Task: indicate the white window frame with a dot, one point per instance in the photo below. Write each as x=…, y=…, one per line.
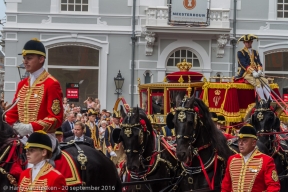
x=283, y=11
x=74, y=2
x=181, y=59
x=93, y=8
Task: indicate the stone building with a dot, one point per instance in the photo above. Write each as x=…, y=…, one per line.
x=90, y=40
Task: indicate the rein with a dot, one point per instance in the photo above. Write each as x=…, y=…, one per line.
x=14, y=143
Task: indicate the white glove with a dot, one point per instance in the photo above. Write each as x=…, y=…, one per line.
x=23, y=129
x=260, y=73
x=255, y=74
x=113, y=154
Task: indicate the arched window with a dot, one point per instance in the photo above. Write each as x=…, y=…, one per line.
x=147, y=77
x=180, y=54
x=75, y=64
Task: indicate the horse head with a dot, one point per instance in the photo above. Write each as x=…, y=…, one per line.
x=195, y=129
x=136, y=137
x=265, y=120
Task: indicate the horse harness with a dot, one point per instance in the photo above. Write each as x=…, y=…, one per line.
x=81, y=158
x=11, y=146
x=275, y=145
x=153, y=159
x=187, y=170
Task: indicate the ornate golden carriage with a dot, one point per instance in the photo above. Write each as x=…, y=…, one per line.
x=223, y=95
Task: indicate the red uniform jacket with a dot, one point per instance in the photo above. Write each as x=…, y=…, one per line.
x=47, y=180
x=40, y=104
x=257, y=175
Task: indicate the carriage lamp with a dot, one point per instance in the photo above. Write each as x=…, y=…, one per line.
x=22, y=71
x=119, y=81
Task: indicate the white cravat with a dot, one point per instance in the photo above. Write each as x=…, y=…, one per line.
x=246, y=157
x=36, y=168
x=250, y=50
x=35, y=75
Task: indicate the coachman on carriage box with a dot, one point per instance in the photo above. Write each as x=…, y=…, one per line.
x=38, y=98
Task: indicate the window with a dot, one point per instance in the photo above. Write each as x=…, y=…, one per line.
x=75, y=64
x=74, y=5
x=276, y=61
x=179, y=55
x=147, y=77
x=282, y=8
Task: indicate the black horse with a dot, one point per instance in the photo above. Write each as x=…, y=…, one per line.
x=145, y=155
x=100, y=172
x=201, y=147
x=266, y=122
x=12, y=161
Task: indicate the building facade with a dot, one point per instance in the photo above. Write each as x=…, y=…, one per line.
x=89, y=41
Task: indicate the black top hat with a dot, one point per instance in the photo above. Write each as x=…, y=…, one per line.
x=116, y=114
x=214, y=116
x=34, y=46
x=59, y=131
x=248, y=37
x=92, y=112
x=39, y=139
x=247, y=131
x=221, y=119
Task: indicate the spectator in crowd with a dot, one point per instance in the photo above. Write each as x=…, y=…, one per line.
x=82, y=120
x=66, y=106
x=97, y=104
x=68, y=126
x=59, y=134
x=78, y=117
x=108, y=120
x=72, y=105
x=102, y=130
x=79, y=134
x=89, y=103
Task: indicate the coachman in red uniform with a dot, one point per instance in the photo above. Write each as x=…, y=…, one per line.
x=39, y=96
x=251, y=170
x=42, y=176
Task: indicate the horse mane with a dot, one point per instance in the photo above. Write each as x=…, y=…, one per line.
x=5, y=130
x=142, y=115
x=217, y=138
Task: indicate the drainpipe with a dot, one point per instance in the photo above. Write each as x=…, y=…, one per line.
x=134, y=39
x=234, y=41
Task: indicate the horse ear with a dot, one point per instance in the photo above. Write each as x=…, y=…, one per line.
x=276, y=125
x=256, y=101
x=253, y=120
x=116, y=135
x=122, y=112
x=169, y=121
x=137, y=116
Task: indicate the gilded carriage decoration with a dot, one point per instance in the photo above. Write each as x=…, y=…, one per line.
x=223, y=95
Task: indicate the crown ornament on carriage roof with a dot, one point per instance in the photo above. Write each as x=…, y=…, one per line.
x=184, y=66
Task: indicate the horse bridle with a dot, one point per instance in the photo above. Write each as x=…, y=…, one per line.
x=181, y=116
x=127, y=128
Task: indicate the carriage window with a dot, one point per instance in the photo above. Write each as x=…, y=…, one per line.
x=181, y=54
x=158, y=104
x=144, y=100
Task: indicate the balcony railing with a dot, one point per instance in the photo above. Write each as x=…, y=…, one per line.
x=158, y=16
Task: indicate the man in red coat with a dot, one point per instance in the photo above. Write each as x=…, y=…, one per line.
x=39, y=96
x=42, y=177
x=251, y=170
